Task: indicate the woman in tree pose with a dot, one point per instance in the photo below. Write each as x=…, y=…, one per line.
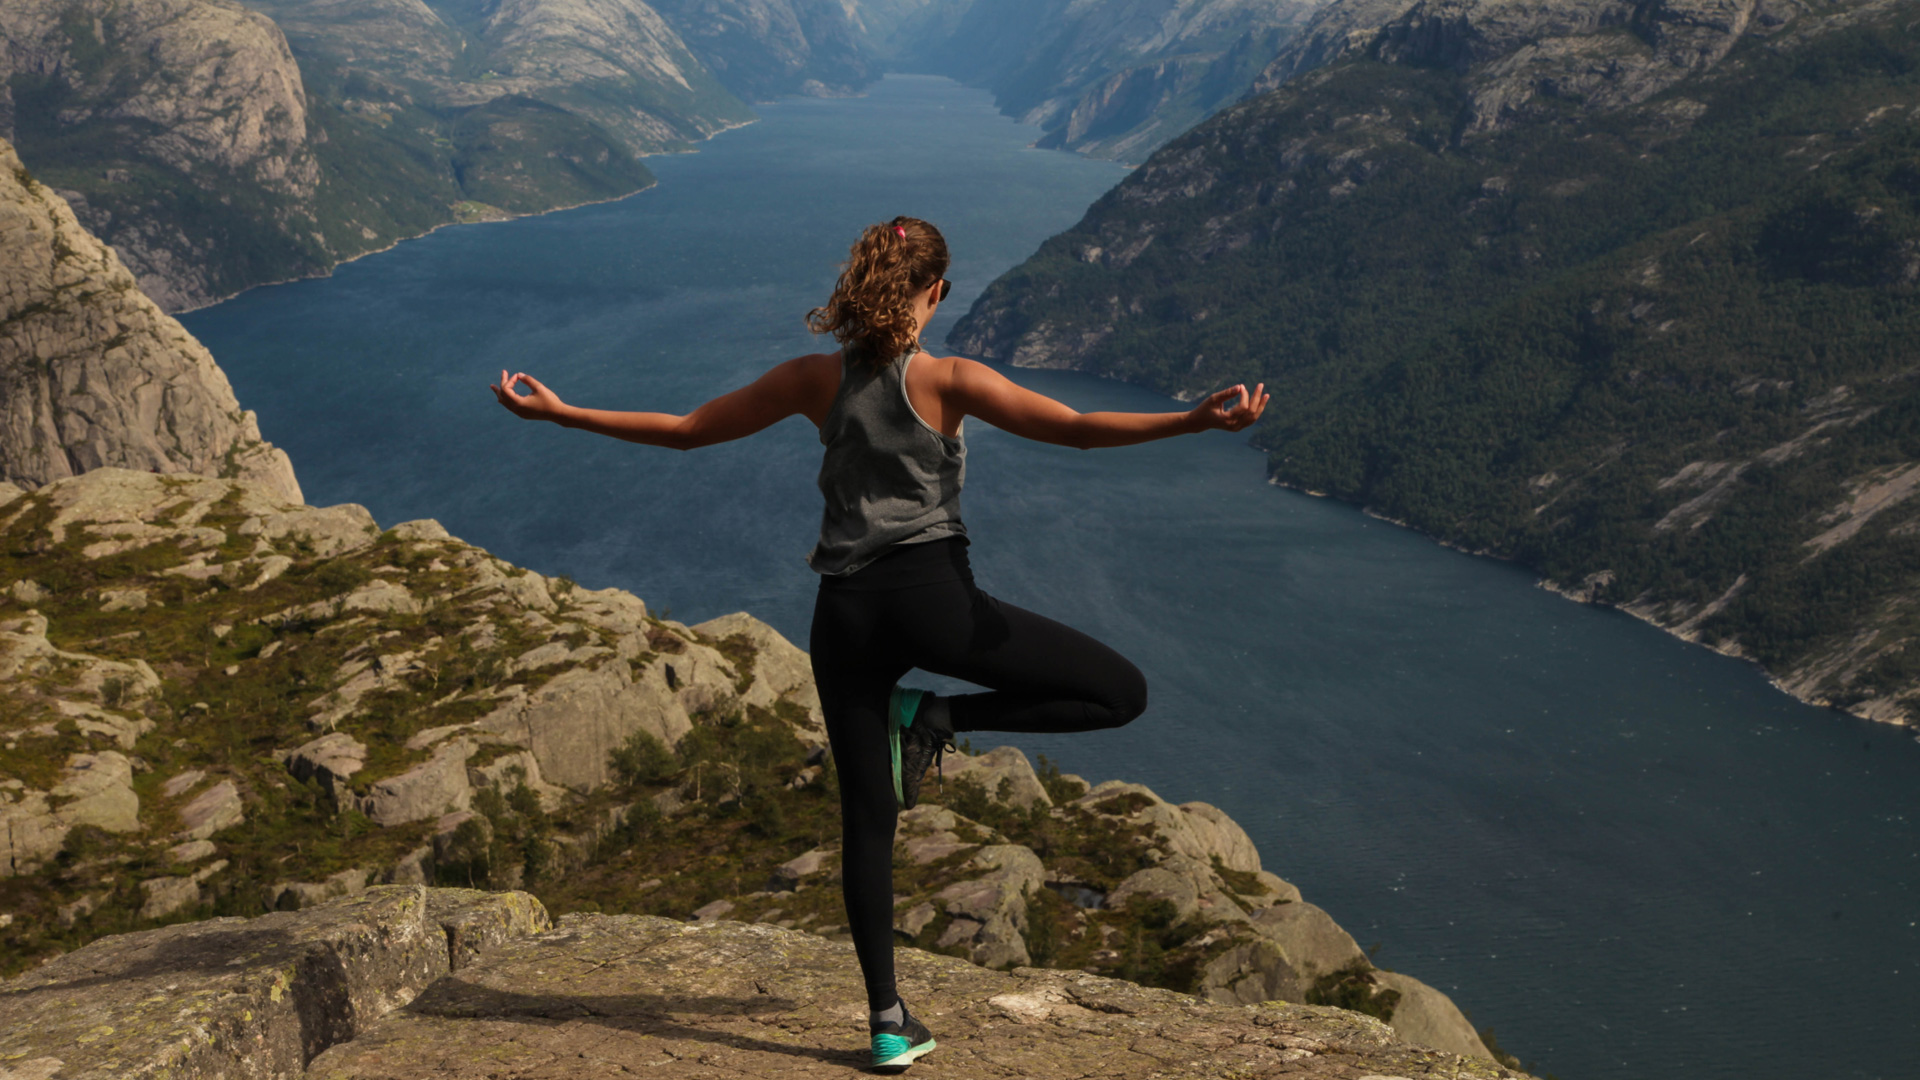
x=896, y=592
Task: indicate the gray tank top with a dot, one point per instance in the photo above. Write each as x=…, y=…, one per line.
x=889, y=477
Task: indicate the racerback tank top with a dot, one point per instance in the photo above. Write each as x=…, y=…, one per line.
x=888, y=476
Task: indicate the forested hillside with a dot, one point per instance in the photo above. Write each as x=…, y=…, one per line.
x=1629, y=293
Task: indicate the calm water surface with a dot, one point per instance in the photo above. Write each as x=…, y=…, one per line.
x=1628, y=856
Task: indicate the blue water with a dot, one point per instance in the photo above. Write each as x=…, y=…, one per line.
x=1629, y=856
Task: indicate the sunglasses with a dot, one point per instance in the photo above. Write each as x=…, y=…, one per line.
x=945, y=288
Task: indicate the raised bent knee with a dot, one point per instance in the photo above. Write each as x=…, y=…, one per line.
x=1127, y=697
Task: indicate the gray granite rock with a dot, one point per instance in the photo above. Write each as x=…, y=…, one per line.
x=328, y=761
x=655, y=997
x=92, y=373
x=217, y=808
x=434, y=787
x=246, y=998
x=1426, y=1016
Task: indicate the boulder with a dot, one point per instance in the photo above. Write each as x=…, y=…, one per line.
x=996, y=902
x=1219, y=836
x=297, y=895
x=477, y=922
x=789, y=875
x=1313, y=943
x=1001, y=764
x=328, y=761
x=219, y=807
x=420, y=529
x=780, y=668
x=509, y=771
x=97, y=790
x=434, y=787
x=1157, y=883
x=191, y=851
x=927, y=832
x=576, y=719
x=181, y=783
x=168, y=895
x=1426, y=1016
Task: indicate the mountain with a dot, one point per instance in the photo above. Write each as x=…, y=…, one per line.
x=1626, y=292
x=215, y=151
x=764, y=49
x=93, y=374
x=1108, y=78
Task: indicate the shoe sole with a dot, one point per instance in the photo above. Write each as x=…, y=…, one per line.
x=899, y=1062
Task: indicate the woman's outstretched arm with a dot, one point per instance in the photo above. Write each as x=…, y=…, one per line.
x=805, y=385
x=980, y=391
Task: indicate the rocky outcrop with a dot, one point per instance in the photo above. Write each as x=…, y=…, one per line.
x=416, y=711
x=201, y=89
x=93, y=374
x=405, y=982
x=502, y=678
x=1595, y=53
x=247, y=997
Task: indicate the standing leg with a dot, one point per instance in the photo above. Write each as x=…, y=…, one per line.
x=854, y=674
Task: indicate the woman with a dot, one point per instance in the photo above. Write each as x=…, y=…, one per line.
x=895, y=589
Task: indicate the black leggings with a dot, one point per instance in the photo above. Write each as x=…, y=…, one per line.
x=918, y=607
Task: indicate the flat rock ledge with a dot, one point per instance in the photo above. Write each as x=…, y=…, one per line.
x=409, y=982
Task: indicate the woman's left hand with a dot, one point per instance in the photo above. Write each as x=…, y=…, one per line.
x=1233, y=408
x=540, y=404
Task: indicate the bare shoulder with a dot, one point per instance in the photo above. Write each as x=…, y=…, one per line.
x=813, y=381
x=816, y=368
x=951, y=371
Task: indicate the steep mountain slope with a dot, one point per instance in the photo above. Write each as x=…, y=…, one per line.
x=93, y=374
x=214, y=156
x=762, y=49
x=176, y=128
x=1109, y=78
x=1628, y=292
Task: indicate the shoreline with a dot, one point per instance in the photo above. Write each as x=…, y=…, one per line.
x=396, y=242
x=1575, y=594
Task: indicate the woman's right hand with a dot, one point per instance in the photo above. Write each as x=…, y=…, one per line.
x=539, y=404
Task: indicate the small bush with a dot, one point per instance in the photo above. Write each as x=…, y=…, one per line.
x=642, y=759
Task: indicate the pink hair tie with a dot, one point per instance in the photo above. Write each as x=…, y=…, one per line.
x=901, y=230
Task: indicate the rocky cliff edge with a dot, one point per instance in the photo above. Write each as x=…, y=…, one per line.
x=409, y=982
x=92, y=373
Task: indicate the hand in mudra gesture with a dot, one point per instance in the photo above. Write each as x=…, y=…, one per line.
x=1233, y=408
x=540, y=404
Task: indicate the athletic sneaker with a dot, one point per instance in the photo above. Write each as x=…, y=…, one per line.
x=896, y=1046
x=915, y=748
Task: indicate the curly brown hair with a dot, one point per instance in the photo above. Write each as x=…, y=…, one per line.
x=871, y=304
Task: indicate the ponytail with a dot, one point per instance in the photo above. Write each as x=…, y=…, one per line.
x=871, y=306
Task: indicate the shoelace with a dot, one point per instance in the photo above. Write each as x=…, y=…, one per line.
x=939, y=752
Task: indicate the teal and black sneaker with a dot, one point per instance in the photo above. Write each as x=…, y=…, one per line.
x=896, y=1046
x=915, y=749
